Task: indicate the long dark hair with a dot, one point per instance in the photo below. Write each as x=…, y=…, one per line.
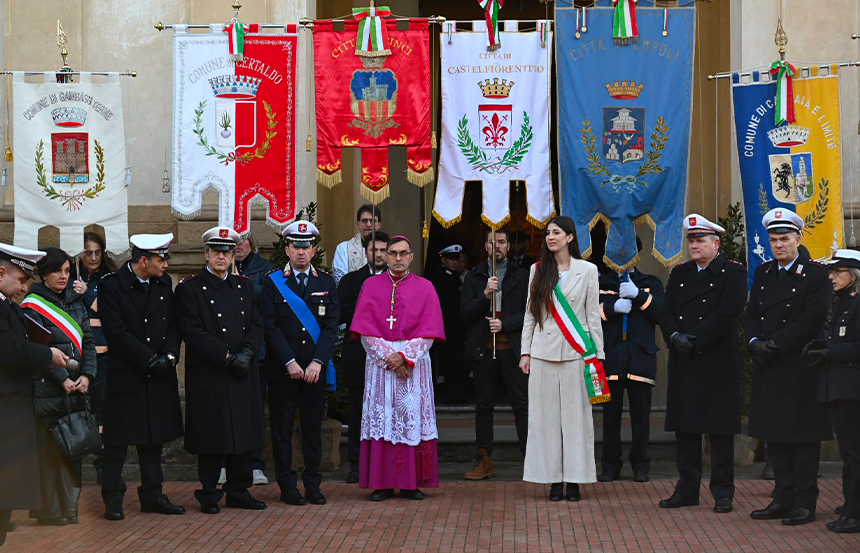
x=107, y=262
x=546, y=271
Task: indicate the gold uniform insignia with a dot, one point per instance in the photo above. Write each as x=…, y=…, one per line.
x=322, y=310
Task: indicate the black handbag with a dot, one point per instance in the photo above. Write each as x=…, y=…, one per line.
x=76, y=434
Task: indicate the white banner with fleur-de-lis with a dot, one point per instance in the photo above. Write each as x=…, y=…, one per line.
x=495, y=121
x=70, y=160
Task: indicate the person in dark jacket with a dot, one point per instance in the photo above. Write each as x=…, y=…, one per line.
x=495, y=369
x=142, y=391
x=353, y=356
x=630, y=305
x=447, y=356
x=838, y=358
x=222, y=330
x=21, y=363
x=91, y=267
x=788, y=306
x=703, y=302
x=251, y=264
x=60, y=391
x=295, y=301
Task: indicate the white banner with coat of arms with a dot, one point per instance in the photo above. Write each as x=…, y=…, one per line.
x=495, y=123
x=70, y=160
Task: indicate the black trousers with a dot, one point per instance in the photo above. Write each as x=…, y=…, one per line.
x=151, y=475
x=356, y=402
x=239, y=476
x=257, y=455
x=97, y=400
x=5, y=516
x=795, y=471
x=639, y=398
x=689, y=463
x=492, y=376
x=844, y=416
x=284, y=398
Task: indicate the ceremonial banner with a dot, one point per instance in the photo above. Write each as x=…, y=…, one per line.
x=624, y=128
x=795, y=166
x=70, y=160
x=373, y=100
x=234, y=125
x=495, y=122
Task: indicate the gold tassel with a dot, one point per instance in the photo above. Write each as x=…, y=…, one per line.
x=419, y=179
x=425, y=232
x=375, y=196
x=329, y=180
x=8, y=153
x=309, y=143
x=433, y=143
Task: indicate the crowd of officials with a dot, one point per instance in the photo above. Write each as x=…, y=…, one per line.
x=527, y=329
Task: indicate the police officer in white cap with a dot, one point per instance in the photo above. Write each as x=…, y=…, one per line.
x=223, y=331
x=703, y=302
x=21, y=362
x=301, y=313
x=788, y=304
x=142, y=406
x=448, y=355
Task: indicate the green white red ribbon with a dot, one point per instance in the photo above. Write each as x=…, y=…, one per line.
x=372, y=39
x=236, y=38
x=491, y=12
x=784, y=73
x=624, y=28
x=582, y=343
x=60, y=318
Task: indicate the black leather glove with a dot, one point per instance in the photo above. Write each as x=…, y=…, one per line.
x=240, y=363
x=817, y=358
x=159, y=367
x=818, y=343
x=763, y=351
x=683, y=343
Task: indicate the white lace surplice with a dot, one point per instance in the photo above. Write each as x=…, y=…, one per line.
x=396, y=410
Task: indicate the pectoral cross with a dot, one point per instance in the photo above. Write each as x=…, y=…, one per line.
x=391, y=321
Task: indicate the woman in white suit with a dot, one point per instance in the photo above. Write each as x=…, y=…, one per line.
x=560, y=447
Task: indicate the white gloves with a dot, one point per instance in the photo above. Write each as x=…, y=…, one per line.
x=623, y=305
x=628, y=290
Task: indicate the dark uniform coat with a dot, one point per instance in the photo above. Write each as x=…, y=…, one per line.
x=840, y=379
x=791, y=311
x=138, y=325
x=353, y=356
x=20, y=361
x=286, y=338
x=223, y=415
x=448, y=355
x=704, y=392
x=635, y=358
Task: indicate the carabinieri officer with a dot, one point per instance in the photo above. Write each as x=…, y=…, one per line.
x=301, y=314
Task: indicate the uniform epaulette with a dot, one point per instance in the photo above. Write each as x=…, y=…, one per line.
x=735, y=262
x=241, y=276
x=685, y=263
x=324, y=272
x=813, y=262
x=274, y=271
x=110, y=274
x=189, y=277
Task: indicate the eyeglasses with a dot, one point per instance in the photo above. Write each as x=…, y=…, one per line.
x=92, y=253
x=396, y=255
x=836, y=272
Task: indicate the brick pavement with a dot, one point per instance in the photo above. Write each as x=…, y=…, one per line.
x=470, y=517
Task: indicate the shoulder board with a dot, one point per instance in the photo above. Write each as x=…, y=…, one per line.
x=685, y=263
x=768, y=262
x=111, y=274
x=733, y=262
x=814, y=263
x=273, y=271
x=188, y=278
x=326, y=272
x=241, y=276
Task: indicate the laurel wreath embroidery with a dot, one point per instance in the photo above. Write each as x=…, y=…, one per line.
x=510, y=160
x=650, y=167
x=72, y=200
x=762, y=199
x=820, y=211
x=226, y=158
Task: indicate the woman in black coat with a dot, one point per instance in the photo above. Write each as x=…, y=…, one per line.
x=838, y=356
x=59, y=389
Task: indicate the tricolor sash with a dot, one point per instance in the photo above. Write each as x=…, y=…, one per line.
x=60, y=318
x=303, y=313
x=581, y=342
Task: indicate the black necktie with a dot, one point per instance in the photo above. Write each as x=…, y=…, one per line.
x=145, y=287
x=782, y=273
x=302, y=278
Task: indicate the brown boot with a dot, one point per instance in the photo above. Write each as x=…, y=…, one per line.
x=483, y=467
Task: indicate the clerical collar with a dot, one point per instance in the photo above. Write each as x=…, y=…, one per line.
x=140, y=279
x=213, y=274
x=395, y=279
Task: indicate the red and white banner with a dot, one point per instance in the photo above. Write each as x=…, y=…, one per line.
x=234, y=125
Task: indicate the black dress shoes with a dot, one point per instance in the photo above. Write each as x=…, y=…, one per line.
x=162, y=506
x=608, y=476
x=799, y=516
x=573, y=492
x=771, y=512
x=73, y=519
x=113, y=510
x=679, y=501
x=640, y=476
x=315, y=496
x=56, y=521
x=210, y=508
x=723, y=505
x=412, y=494
x=556, y=491
x=352, y=476
x=248, y=503
x=846, y=525
x=293, y=497
x=831, y=524
x=381, y=495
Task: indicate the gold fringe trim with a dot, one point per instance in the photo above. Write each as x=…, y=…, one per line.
x=374, y=54
x=329, y=180
x=675, y=259
x=496, y=226
x=420, y=179
x=540, y=224
x=375, y=196
x=447, y=224
x=600, y=399
x=309, y=143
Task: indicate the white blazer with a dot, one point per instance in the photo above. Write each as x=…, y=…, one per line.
x=582, y=291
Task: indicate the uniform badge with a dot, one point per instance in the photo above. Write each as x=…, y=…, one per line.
x=322, y=310
x=799, y=269
x=842, y=331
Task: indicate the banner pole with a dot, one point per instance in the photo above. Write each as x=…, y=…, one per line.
x=493, y=307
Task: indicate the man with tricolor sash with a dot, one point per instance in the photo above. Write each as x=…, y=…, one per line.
x=704, y=300
x=301, y=314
